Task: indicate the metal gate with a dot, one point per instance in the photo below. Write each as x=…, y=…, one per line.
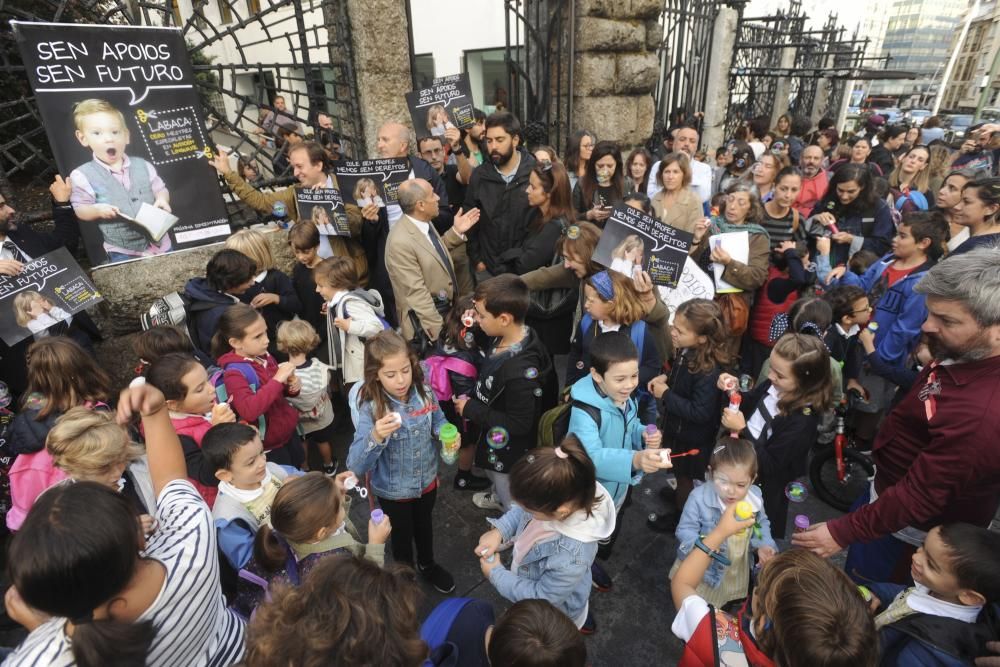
x=244, y=53
x=685, y=55
x=539, y=58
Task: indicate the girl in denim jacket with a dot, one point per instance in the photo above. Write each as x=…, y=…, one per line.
x=561, y=513
x=395, y=441
x=732, y=468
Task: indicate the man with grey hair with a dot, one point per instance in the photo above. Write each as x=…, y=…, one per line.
x=937, y=454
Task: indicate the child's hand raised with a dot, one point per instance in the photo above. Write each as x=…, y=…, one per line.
x=729, y=525
x=285, y=370
x=378, y=533
x=650, y=461
x=222, y=414
x=489, y=543
x=386, y=426
x=143, y=400
x=733, y=420
x=727, y=382
x=765, y=554
x=658, y=386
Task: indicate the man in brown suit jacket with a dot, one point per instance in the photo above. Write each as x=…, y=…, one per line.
x=421, y=263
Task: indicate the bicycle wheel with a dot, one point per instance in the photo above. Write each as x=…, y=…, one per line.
x=840, y=495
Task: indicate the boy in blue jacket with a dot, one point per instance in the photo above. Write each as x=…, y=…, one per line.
x=899, y=311
x=605, y=418
x=950, y=612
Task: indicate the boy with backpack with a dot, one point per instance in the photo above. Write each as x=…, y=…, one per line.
x=352, y=315
x=516, y=384
x=614, y=437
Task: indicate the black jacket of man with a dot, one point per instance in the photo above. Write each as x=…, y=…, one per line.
x=504, y=211
x=13, y=369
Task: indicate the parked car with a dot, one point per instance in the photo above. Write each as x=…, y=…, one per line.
x=918, y=116
x=958, y=125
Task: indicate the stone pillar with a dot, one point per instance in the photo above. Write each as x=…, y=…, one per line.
x=823, y=88
x=783, y=86
x=717, y=93
x=380, y=39
x=616, y=68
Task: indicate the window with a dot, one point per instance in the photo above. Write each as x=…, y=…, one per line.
x=253, y=7
x=225, y=11
x=175, y=10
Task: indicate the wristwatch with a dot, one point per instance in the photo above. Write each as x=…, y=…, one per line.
x=461, y=150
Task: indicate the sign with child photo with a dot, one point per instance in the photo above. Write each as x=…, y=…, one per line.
x=633, y=241
x=325, y=207
x=446, y=104
x=125, y=123
x=366, y=182
x=50, y=290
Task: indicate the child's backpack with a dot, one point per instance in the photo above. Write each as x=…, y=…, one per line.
x=436, y=370
x=215, y=378
x=896, y=208
x=554, y=424
x=443, y=618
x=637, y=332
x=370, y=297
x=173, y=309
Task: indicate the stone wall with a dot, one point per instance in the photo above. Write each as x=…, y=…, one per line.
x=380, y=36
x=616, y=68
x=130, y=289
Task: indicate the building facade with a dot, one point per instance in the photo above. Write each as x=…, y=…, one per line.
x=975, y=58
x=918, y=39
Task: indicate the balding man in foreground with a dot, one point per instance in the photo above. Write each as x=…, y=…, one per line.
x=421, y=263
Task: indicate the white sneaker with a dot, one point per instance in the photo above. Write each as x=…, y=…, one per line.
x=486, y=500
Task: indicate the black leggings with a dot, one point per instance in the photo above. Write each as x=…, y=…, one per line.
x=411, y=523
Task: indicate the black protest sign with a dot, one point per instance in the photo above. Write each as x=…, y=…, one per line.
x=124, y=121
x=49, y=290
x=325, y=207
x=633, y=241
x=447, y=103
x=364, y=182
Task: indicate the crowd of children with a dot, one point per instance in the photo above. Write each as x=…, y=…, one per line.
x=225, y=537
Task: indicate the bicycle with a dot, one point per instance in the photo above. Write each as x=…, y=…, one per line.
x=840, y=473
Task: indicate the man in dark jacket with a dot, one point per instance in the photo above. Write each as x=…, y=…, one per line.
x=229, y=273
x=20, y=244
x=498, y=188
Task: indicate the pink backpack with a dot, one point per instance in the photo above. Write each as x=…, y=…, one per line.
x=30, y=476
x=436, y=373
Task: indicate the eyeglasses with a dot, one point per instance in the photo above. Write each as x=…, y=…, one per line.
x=866, y=309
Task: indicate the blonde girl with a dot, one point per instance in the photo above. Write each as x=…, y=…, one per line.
x=272, y=293
x=365, y=193
x=36, y=312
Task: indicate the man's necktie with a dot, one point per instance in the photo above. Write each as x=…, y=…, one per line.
x=15, y=252
x=445, y=257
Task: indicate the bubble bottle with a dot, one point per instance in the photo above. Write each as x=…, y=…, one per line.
x=448, y=435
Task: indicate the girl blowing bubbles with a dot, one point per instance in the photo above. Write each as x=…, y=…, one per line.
x=733, y=468
x=562, y=512
x=398, y=421
x=781, y=416
x=308, y=523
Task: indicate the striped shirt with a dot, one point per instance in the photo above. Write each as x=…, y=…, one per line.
x=780, y=229
x=193, y=625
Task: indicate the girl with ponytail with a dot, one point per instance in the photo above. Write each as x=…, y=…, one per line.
x=560, y=515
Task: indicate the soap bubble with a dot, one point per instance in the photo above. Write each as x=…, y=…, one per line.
x=796, y=492
x=538, y=392
x=492, y=458
x=499, y=466
x=531, y=373
x=497, y=437
x=652, y=517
